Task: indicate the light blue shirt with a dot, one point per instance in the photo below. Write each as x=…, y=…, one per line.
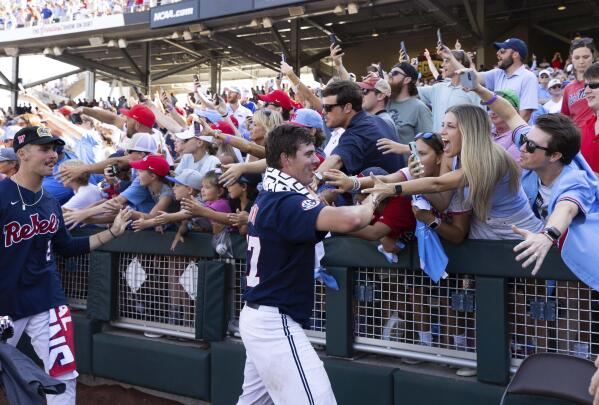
x=522, y=81
x=441, y=96
x=140, y=198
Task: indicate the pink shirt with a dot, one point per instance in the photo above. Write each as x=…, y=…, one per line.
x=505, y=141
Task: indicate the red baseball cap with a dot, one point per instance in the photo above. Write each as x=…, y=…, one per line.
x=280, y=98
x=224, y=127
x=141, y=114
x=154, y=163
x=66, y=110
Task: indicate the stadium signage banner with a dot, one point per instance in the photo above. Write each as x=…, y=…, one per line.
x=63, y=28
x=174, y=14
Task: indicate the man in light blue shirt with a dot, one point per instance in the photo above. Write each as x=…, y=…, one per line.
x=441, y=96
x=511, y=73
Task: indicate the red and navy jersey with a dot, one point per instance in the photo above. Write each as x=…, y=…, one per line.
x=281, y=237
x=29, y=281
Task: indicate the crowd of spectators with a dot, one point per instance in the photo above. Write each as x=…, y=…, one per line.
x=30, y=13
x=497, y=160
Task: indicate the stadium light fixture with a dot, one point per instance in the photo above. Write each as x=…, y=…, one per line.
x=122, y=43
x=266, y=22
x=96, y=41
x=352, y=8
x=254, y=23
x=11, y=51
x=561, y=7
x=111, y=43
x=296, y=11
x=339, y=9
x=187, y=35
x=47, y=51
x=57, y=51
x=175, y=35
x=196, y=28
x=374, y=33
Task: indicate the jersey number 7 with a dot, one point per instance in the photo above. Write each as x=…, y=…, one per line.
x=254, y=246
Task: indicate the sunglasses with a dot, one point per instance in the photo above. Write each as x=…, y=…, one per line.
x=556, y=87
x=531, y=146
x=424, y=135
x=366, y=91
x=582, y=41
x=592, y=85
x=329, y=107
x=396, y=72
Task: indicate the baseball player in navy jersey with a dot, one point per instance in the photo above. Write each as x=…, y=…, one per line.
x=285, y=223
x=32, y=228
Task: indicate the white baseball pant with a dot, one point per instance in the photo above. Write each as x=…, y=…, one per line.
x=37, y=327
x=281, y=365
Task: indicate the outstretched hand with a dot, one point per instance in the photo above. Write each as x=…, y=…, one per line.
x=380, y=190
x=120, y=223
x=533, y=249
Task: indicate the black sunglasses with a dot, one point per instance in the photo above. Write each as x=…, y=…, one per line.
x=396, y=72
x=531, y=146
x=329, y=107
x=592, y=85
x=366, y=91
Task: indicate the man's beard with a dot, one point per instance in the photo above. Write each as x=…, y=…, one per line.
x=395, y=89
x=505, y=64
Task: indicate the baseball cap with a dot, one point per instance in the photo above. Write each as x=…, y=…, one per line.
x=511, y=96
x=544, y=72
x=306, y=117
x=188, y=177
x=143, y=142
x=141, y=114
x=408, y=69
x=154, y=163
x=251, y=179
x=66, y=110
x=194, y=131
x=235, y=89
x=376, y=83
x=7, y=155
x=35, y=136
x=10, y=131
x=513, y=43
x=280, y=98
x=553, y=82
x=224, y=127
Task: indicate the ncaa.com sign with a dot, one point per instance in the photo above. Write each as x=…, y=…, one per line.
x=176, y=13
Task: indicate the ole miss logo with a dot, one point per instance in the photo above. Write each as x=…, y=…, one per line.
x=14, y=232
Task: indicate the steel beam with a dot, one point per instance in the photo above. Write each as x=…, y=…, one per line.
x=49, y=79
x=15, y=83
x=248, y=49
x=280, y=42
x=183, y=48
x=91, y=65
x=179, y=68
x=132, y=62
x=471, y=18
x=552, y=33
x=5, y=79
x=431, y=6
x=296, y=46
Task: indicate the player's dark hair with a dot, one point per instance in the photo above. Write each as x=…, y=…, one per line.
x=565, y=135
x=285, y=138
x=347, y=92
x=592, y=72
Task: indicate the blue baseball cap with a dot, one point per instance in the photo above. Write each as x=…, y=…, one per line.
x=7, y=155
x=306, y=117
x=513, y=43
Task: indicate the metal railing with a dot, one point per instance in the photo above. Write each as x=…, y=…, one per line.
x=74, y=273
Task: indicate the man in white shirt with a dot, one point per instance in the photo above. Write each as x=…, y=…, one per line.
x=238, y=111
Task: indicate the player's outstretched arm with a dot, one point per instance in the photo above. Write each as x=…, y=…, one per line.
x=346, y=219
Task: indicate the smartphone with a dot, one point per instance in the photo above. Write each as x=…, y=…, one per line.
x=402, y=46
x=379, y=69
x=439, y=39
x=114, y=169
x=140, y=96
x=196, y=80
x=280, y=74
x=76, y=119
x=333, y=39
x=197, y=128
x=468, y=79
x=414, y=151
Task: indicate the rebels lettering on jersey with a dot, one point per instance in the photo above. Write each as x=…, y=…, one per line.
x=281, y=237
x=15, y=232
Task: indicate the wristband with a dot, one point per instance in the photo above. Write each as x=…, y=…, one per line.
x=356, y=183
x=434, y=224
x=490, y=101
x=227, y=139
x=398, y=189
x=552, y=233
x=113, y=235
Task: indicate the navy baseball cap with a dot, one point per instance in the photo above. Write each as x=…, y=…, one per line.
x=34, y=136
x=408, y=69
x=513, y=43
x=251, y=179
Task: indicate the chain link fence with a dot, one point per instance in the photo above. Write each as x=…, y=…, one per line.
x=74, y=272
x=552, y=316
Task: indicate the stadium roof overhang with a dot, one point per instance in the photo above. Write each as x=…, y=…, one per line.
x=248, y=43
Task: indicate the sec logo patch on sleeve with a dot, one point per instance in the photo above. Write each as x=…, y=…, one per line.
x=308, y=204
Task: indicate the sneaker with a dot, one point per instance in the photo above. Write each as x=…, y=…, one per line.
x=466, y=372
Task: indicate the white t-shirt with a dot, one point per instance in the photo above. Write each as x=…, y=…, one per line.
x=553, y=107
x=84, y=197
x=333, y=141
x=545, y=194
x=203, y=166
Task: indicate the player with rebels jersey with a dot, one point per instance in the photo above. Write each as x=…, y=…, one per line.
x=32, y=227
x=284, y=224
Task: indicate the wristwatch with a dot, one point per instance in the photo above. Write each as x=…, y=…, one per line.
x=434, y=224
x=398, y=189
x=552, y=233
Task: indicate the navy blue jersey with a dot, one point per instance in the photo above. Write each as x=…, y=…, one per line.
x=29, y=281
x=281, y=237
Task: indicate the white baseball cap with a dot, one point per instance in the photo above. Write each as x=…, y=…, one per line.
x=188, y=177
x=143, y=142
x=553, y=82
x=10, y=131
x=545, y=72
x=193, y=132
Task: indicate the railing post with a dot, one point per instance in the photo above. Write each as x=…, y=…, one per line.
x=492, y=334
x=102, y=292
x=339, y=326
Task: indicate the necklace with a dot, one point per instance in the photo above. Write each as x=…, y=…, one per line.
x=23, y=204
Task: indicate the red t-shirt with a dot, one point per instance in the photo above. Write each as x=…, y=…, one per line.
x=589, y=145
x=398, y=216
x=574, y=103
